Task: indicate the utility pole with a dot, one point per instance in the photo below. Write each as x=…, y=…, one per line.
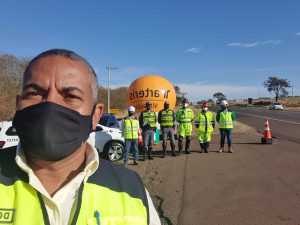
x=108, y=88
x=292, y=91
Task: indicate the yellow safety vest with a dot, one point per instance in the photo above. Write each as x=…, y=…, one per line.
x=184, y=115
x=118, y=196
x=131, y=128
x=204, y=119
x=225, y=121
x=149, y=117
x=167, y=119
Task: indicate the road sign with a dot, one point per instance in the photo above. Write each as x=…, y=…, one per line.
x=114, y=111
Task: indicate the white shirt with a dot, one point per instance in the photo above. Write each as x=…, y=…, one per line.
x=60, y=205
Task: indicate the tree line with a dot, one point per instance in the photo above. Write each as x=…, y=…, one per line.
x=11, y=73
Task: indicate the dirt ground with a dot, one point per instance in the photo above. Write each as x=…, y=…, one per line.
x=250, y=186
x=158, y=179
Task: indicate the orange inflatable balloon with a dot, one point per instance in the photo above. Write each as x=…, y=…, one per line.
x=153, y=88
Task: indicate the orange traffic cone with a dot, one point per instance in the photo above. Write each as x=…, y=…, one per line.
x=140, y=138
x=267, y=139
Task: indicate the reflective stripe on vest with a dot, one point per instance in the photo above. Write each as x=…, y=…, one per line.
x=225, y=120
x=167, y=119
x=130, y=128
x=205, y=125
x=184, y=115
x=150, y=117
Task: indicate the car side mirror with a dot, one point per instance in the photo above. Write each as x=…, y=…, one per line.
x=99, y=128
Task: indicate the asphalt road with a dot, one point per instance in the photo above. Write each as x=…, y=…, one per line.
x=256, y=185
x=283, y=124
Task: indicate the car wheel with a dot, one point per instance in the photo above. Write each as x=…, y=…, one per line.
x=113, y=151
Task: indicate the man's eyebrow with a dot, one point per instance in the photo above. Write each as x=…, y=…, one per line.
x=40, y=89
x=71, y=89
x=34, y=86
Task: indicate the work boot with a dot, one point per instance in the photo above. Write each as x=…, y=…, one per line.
x=150, y=153
x=173, y=150
x=135, y=163
x=187, y=146
x=144, y=153
x=164, y=145
x=221, y=150
x=180, y=147
x=206, y=145
x=230, y=150
x=202, y=147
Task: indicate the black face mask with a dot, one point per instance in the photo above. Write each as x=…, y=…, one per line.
x=130, y=113
x=50, y=131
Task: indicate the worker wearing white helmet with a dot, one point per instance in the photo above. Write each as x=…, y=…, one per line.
x=225, y=118
x=130, y=130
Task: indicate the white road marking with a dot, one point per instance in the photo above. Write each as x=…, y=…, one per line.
x=285, y=121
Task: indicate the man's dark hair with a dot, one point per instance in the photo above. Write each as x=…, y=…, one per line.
x=72, y=56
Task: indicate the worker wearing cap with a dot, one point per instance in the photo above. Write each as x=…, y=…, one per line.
x=166, y=119
x=184, y=117
x=225, y=118
x=205, y=123
x=130, y=131
x=147, y=121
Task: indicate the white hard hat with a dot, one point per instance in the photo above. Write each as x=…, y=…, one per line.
x=224, y=102
x=131, y=109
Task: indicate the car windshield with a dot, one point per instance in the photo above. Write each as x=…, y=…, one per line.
x=103, y=120
x=109, y=120
x=277, y=103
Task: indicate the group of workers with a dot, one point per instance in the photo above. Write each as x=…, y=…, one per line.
x=167, y=118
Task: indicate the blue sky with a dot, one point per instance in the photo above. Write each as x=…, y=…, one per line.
x=202, y=46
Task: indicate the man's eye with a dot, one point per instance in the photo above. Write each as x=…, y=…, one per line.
x=70, y=96
x=31, y=94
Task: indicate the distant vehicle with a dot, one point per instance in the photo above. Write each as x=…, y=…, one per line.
x=8, y=135
x=109, y=142
x=276, y=106
x=109, y=120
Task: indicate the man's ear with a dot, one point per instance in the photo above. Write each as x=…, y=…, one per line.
x=97, y=114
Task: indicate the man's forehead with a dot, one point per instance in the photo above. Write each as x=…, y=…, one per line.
x=58, y=65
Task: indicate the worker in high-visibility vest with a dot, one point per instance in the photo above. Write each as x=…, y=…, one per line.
x=205, y=123
x=166, y=119
x=55, y=175
x=184, y=117
x=130, y=131
x=147, y=121
x=225, y=118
